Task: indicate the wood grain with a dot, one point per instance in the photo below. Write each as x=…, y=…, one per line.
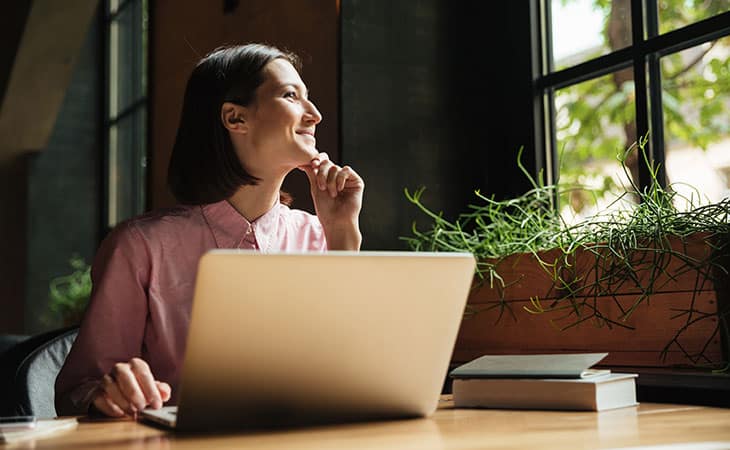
x=448, y=428
x=654, y=324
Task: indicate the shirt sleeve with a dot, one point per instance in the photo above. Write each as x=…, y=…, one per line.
x=113, y=326
x=317, y=240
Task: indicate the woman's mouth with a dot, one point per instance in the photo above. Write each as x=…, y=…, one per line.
x=307, y=134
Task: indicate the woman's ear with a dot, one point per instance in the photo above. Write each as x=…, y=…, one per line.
x=233, y=117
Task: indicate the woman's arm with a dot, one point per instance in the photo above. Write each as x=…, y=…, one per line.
x=103, y=364
x=337, y=195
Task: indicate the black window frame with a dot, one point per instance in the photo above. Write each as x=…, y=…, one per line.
x=138, y=106
x=644, y=54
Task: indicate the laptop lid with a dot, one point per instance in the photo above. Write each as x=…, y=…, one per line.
x=280, y=339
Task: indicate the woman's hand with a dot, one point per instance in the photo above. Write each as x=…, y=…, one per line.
x=337, y=195
x=130, y=387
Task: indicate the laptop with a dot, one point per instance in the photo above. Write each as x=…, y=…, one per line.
x=290, y=339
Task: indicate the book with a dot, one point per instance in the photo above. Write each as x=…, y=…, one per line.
x=43, y=428
x=564, y=381
x=615, y=390
x=563, y=365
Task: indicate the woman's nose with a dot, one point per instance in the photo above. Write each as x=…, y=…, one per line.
x=312, y=113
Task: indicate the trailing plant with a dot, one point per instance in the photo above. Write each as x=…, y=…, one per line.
x=629, y=247
x=69, y=294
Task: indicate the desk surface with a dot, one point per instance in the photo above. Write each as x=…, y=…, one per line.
x=449, y=428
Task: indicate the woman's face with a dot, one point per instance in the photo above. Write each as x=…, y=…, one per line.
x=280, y=123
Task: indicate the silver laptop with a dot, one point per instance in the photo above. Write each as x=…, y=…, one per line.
x=297, y=339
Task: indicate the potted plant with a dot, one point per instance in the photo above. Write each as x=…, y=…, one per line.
x=69, y=294
x=646, y=284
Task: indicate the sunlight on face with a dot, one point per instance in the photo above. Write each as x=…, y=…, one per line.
x=281, y=123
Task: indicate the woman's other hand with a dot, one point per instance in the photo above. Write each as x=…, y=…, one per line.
x=337, y=195
x=129, y=388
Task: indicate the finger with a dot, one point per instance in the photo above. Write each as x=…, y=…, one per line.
x=112, y=391
x=103, y=403
x=322, y=174
x=354, y=181
x=146, y=382
x=311, y=177
x=332, y=181
x=342, y=177
x=128, y=386
x=318, y=160
x=164, y=389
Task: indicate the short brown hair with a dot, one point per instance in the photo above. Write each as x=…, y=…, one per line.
x=204, y=167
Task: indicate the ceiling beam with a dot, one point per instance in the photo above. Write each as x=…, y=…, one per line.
x=41, y=72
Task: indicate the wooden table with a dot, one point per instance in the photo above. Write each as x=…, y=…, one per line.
x=649, y=424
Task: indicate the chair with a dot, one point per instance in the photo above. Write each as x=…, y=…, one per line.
x=29, y=371
x=8, y=341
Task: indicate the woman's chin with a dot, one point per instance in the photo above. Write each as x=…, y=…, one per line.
x=311, y=153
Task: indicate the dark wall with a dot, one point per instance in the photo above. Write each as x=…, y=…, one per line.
x=491, y=93
x=435, y=94
x=63, y=186
x=12, y=21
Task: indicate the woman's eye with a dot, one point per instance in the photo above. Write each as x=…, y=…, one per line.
x=290, y=94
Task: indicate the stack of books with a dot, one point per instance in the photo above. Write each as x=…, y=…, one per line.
x=557, y=381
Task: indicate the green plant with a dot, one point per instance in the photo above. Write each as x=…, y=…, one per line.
x=624, y=245
x=69, y=294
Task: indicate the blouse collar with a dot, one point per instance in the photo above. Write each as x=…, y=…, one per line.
x=230, y=228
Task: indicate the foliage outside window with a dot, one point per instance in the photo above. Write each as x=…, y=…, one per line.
x=604, y=67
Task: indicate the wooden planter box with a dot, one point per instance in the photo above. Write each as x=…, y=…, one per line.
x=653, y=308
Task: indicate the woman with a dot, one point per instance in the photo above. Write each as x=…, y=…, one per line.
x=246, y=123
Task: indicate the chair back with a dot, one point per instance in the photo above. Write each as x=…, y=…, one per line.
x=34, y=367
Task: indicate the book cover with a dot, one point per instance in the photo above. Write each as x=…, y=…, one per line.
x=615, y=390
x=563, y=365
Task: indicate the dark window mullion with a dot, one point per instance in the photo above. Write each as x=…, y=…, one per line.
x=126, y=123
x=677, y=40
x=104, y=129
x=128, y=111
x=548, y=36
x=640, y=86
x=106, y=226
x=137, y=46
x=588, y=70
x=656, y=118
x=541, y=62
x=135, y=169
x=123, y=4
x=552, y=137
x=689, y=36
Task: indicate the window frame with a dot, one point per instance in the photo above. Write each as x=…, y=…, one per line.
x=129, y=112
x=644, y=54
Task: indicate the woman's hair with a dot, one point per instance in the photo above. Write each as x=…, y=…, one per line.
x=204, y=167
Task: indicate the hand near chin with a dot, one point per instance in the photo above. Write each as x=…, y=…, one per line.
x=337, y=195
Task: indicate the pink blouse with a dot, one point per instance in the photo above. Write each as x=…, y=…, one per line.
x=143, y=277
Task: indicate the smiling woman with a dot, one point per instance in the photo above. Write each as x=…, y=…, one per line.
x=246, y=122
x=282, y=118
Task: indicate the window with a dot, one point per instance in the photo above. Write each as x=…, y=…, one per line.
x=126, y=109
x=612, y=71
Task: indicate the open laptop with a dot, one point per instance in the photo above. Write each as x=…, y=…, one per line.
x=296, y=339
